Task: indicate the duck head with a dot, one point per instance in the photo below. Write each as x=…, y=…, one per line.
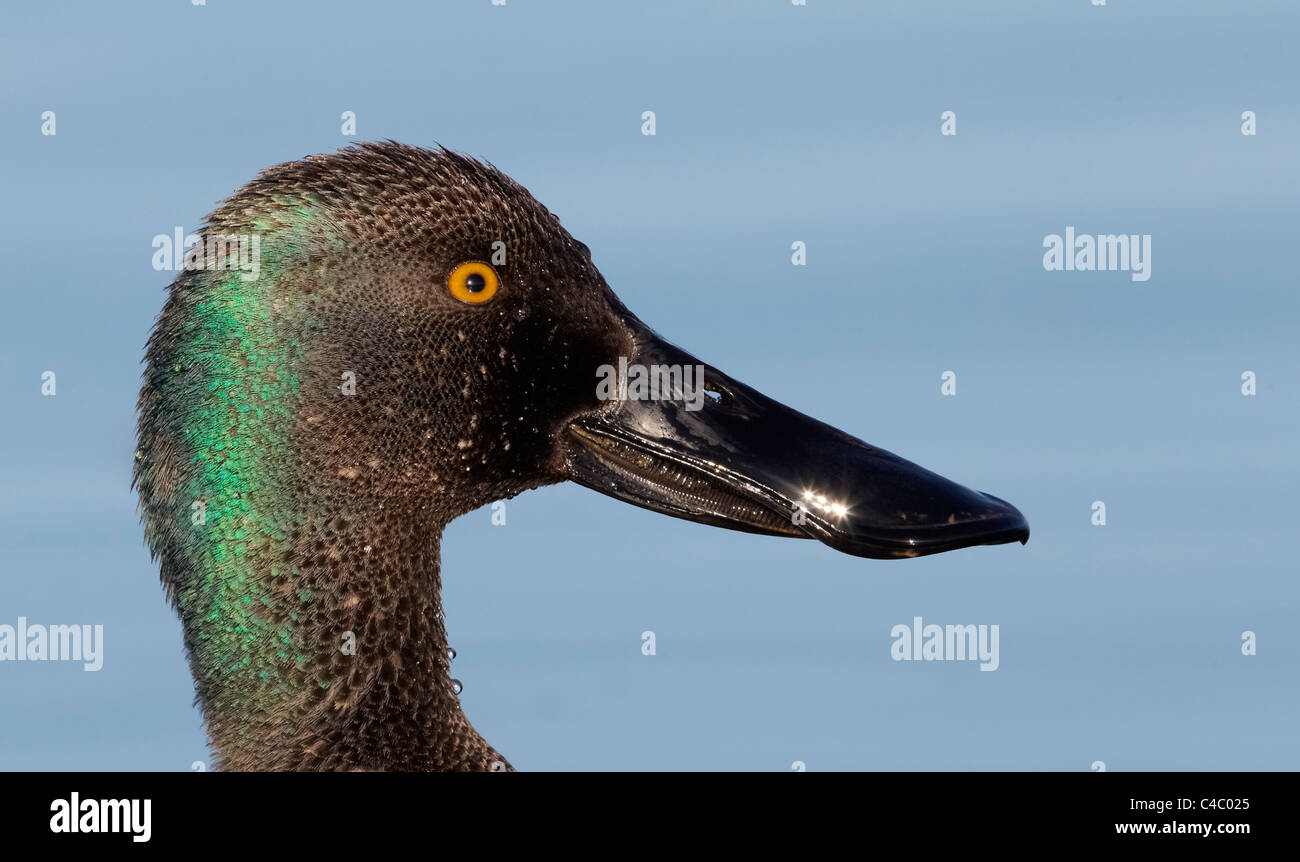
x=421, y=337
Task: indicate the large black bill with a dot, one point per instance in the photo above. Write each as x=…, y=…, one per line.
x=682, y=438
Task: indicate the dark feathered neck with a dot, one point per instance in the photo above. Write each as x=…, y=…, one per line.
x=373, y=690
x=304, y=571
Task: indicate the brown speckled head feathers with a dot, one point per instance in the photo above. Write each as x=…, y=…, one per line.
x=297, y=522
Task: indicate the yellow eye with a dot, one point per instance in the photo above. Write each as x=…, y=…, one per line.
x=473, y=282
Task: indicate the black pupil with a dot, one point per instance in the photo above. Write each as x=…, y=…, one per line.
x=474, y=282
